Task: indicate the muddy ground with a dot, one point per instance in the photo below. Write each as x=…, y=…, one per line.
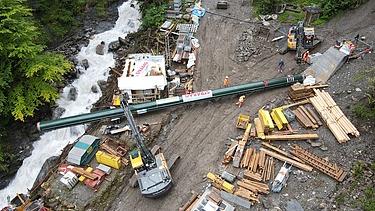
x=198, y=132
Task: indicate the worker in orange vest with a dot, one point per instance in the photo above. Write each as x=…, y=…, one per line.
x=226, y=81
x=305, y=56
x=240, y=101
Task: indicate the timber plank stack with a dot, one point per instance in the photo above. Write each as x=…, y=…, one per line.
x=307, y=118
x=299, y=91
x=332, y=115
x=322, y=165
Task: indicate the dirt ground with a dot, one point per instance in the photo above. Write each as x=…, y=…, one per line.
x=198, y=133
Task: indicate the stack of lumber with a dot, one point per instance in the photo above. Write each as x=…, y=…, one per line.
x=266, y=121
x=259, y=166
x=332, y=115
x=307, y=117
x=250, y=190
x=230, y=152
x=299, y=91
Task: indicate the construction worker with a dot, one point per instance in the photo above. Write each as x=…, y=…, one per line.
x=280, y=66
x=305, y=57
x=226, y=81
x=240, y=101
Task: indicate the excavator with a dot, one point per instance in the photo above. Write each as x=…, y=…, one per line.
x=300, y=38
x=151, y=171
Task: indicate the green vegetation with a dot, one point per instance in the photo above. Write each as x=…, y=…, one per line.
x=367, y=110
x=28, y=74
x=154, y=15
x=368, y=200
x=330, y=8
x=358, y=169
x=340, y=199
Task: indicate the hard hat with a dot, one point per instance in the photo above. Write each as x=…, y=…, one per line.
x=226, y=76
x=243, y=96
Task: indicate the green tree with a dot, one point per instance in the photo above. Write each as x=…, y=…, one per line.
x=27, y=74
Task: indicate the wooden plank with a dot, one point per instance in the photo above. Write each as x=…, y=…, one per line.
x=314, y=115
x=190, y=201
x=296, y=104
x=311, y=118
x=259, y=128
x=281, y=152
x=291, y=137
x=288, y=160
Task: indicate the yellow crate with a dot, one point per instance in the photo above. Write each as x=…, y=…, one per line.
x=242, y=121
x=109, y=160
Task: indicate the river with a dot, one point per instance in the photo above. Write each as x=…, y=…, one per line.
x=51, y=143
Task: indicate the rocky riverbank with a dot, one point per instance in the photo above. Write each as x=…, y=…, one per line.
x=19, y=141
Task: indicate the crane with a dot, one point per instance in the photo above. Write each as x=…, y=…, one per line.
x=152, y=173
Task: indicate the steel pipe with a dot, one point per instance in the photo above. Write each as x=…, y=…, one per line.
x=169, y=102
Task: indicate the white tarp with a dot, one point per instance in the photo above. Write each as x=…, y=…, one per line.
x=142, y=83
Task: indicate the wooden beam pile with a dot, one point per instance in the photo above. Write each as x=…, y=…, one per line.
x=250, y=190
x=259, y=166
x=299, y=91
x=307, y=118
x=332, y=115
x=288, y=160
x=319, y=163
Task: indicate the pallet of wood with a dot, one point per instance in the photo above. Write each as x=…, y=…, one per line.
x=332, y=115
x=298, y=91
x=321, y=164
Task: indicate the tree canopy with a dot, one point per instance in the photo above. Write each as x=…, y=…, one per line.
x=27, y=73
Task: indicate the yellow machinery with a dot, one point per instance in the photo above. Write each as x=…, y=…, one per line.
x=220, y=183
x=279, y=118
x=300, y=38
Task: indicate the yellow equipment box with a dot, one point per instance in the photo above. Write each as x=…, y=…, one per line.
x=109, y=160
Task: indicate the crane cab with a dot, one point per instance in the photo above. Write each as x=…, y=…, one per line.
x=136, y=159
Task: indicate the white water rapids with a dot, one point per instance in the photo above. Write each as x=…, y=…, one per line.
x=51, y=143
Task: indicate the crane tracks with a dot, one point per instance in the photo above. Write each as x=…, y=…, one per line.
x=319, y=163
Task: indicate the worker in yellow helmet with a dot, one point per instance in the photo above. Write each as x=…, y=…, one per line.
x=116, y=98
x=240, y=101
